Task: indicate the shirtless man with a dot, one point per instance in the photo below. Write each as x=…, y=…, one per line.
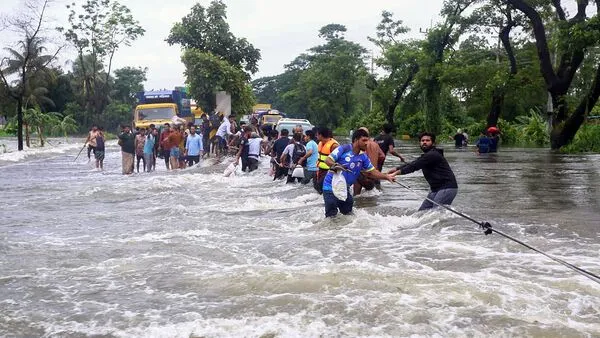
x=91, y=141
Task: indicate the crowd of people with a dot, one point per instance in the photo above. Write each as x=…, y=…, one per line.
x=300, y=156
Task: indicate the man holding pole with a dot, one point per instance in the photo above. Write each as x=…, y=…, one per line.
x=91, y=141
x=436, y=170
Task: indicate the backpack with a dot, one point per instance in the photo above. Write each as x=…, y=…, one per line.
x=214, y=120
x=299, y=151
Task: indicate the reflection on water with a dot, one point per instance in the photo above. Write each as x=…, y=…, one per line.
x=193, y=253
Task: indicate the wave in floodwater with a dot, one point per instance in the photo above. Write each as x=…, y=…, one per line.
x=194, y=254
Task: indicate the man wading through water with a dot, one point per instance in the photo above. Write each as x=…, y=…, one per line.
x=91, y=141
x=127, y=143
x=354, y=160
x=436, y=170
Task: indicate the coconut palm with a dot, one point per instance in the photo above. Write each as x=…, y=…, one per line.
x=27, y=64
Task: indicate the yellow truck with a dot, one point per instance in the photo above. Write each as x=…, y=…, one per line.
x=159, y=107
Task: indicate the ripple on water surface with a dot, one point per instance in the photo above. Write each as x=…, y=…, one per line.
x=193, y=253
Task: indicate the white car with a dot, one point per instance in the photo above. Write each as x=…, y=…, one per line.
x=245, y=119
x=290, y=124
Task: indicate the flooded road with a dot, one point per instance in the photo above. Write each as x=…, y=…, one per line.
x=196, y=254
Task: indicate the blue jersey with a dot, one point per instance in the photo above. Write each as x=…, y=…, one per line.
x=483, y=144
x=354, y=162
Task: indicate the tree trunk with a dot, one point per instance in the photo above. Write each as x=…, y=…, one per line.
x=399, y=94
x=496, y=109
x=500, y=91
x=20, y=124
x=433, y=119
x=27, y=136
x=564, y=133
x=41, y=136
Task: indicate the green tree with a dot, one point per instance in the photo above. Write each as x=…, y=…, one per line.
x=330, y=76
x=207, y=74
x=129, y=81
x=215, y=59
x=266, y=89
x=116, y=114
x=400, y=59
x=207, y=30
x=439, y=39
x=39, y=121
x=64, y=124
x=27, y=62
x=574, y=37
x=97, y=31
x=60, y=90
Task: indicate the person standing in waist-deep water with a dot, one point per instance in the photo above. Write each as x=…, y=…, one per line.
x=483, y=143
x=459, y=139
x=255, y=144
x=312, y=154
x=494, y=136
x=385, y=140
x=353, y=158
x=325, y=147
x=193, y=147
x=436, y=171
x=291, y=155
x=376, y=156
x=278, y=148
x=99, y=152
x=127, y=143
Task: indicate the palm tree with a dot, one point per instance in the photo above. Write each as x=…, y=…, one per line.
x=27, y=64
x=38, y=120
x=64, y=124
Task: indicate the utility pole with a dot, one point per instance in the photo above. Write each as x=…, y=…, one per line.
x=371, y=97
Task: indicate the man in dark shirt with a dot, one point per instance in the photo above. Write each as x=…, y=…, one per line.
x=459, y=139
x=386, y=143
x=278, y=148
x=244, y=148
x=436, y=171
x=127, y=143
x=205, y=129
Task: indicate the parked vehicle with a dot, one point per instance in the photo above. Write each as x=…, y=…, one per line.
x=159, y=107
x=270, y=118
x=290, y=124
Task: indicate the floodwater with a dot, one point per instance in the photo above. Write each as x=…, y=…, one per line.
x=195, y=254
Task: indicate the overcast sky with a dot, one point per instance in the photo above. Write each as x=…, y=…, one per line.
x=281, y=29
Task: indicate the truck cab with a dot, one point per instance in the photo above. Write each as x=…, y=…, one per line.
x=159, y=107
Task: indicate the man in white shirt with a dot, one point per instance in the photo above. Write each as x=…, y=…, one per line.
x=223, y=132
x=291, y=155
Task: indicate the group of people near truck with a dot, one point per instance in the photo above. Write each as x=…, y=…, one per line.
x=300, y=156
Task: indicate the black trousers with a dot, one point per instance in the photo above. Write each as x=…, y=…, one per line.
x=191, y=160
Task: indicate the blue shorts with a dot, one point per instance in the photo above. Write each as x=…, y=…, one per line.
x=174, y=152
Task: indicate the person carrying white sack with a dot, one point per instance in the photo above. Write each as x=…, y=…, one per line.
x=346, y=163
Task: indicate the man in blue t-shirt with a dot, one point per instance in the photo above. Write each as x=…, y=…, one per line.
x=353, y=160
x=312, y=154
x=483, y=144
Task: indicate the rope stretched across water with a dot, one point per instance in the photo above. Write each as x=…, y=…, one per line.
x=487, y=228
